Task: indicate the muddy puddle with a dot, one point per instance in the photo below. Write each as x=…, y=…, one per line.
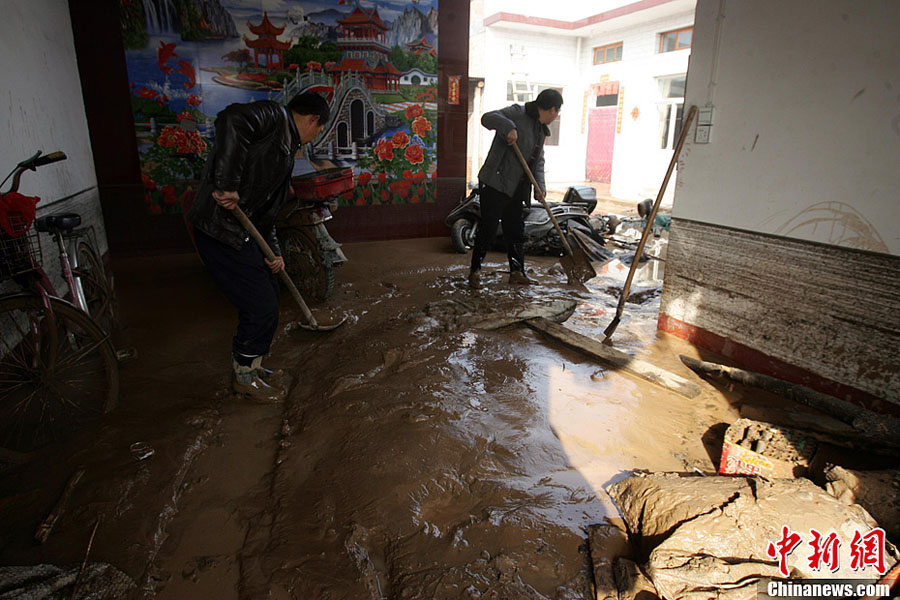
x=417, y=455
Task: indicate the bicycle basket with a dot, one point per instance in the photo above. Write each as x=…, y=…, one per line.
x=20, y=253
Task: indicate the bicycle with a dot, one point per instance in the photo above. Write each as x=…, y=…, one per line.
x=58, y=367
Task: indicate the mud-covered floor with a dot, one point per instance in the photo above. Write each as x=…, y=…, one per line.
x=415, y=457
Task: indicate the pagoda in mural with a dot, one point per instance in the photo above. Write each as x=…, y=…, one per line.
x=417, y=47
x=267, y=43
x=364, y=51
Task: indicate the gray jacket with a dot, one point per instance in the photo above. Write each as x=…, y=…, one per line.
x=502, y=169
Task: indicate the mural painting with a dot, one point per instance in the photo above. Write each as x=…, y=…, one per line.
x=374, y=61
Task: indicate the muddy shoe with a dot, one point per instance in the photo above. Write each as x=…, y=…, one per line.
x=276, y=378
x=256, y=389
x=475, y=280
x=519, y=278
x=249, y=380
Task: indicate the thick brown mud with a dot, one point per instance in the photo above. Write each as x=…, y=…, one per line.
x=417, y=456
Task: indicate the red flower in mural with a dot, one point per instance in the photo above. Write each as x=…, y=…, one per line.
x=382, y=177
x=384, y=150
x=149, y=184
x=184, y=142
x=293, y=67
x=360, y=201
x=156, y=209
x=313, y=66
x=413, y=111
x=421, y=126
x=329, y=64
x=400, y=140
x=168, y=193
x=145, y=93
x=184, y=115
x=385, y=195
x=403, y=191
x=419, y=176
x=163, y=54
x=193, y=100
x=407, y=174
x=426, y=97
x=415, y=154
x=367, y=192
x=363, y=178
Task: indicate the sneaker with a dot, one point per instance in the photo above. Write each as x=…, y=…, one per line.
x=248, y=380
x=475, y=280
x=519, y=278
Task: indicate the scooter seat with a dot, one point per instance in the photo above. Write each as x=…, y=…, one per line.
x=58, y=223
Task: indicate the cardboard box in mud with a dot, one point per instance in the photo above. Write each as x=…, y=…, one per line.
x=756, y=448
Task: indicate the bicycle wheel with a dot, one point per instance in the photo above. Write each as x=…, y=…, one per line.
x=97, y=291
x=58, y=372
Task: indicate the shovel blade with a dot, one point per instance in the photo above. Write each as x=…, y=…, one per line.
x=577, y=267
x=321, y=326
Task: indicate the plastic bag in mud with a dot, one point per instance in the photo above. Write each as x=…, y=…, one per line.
x=714, y=532
x=98, y=581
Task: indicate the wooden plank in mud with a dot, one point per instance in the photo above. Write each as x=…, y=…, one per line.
x=616, y=358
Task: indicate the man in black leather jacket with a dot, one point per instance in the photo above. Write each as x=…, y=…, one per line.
x=250, y=165
x=505, y=188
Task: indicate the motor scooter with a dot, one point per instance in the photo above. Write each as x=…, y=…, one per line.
x=573, y=215
x=310, y=253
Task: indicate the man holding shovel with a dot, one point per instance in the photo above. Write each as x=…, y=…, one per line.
x=505, y=188
x=250, y=165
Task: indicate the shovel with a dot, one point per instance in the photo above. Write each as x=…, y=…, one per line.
x=576, y=264
x=650, y=218
x=311, y=322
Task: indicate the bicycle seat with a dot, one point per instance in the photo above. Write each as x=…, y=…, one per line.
x=58, y=223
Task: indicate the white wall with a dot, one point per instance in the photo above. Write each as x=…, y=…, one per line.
x=806, y=132
x=565, y=59
x=547, y=59
x=43, y=110
x=42, y=98
x=639, y=163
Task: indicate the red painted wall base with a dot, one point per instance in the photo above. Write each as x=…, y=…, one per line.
x=755, y=360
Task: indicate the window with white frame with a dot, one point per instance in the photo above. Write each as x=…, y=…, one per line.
x=671, y=109
x=521, y=92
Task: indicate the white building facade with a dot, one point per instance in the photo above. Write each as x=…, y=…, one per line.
x=621, y=72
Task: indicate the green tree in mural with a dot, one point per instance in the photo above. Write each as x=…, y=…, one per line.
x=310, y=49
x=405, y=60
x=241, y=56
x=131, y=14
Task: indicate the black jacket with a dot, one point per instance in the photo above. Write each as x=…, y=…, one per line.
x=254, y=155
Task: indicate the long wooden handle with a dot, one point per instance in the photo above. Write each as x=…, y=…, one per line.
x=652, y=216
x=267, y=250
x=562, y=237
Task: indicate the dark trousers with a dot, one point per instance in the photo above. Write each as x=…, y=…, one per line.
x=249, y=284
x=495, y=205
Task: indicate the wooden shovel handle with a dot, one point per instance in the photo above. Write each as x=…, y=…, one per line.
x=559, y=231
x=267, y=250
x=652, y=216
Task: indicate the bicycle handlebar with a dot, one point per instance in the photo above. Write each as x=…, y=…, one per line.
x=50, y=158
x=38, y=160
